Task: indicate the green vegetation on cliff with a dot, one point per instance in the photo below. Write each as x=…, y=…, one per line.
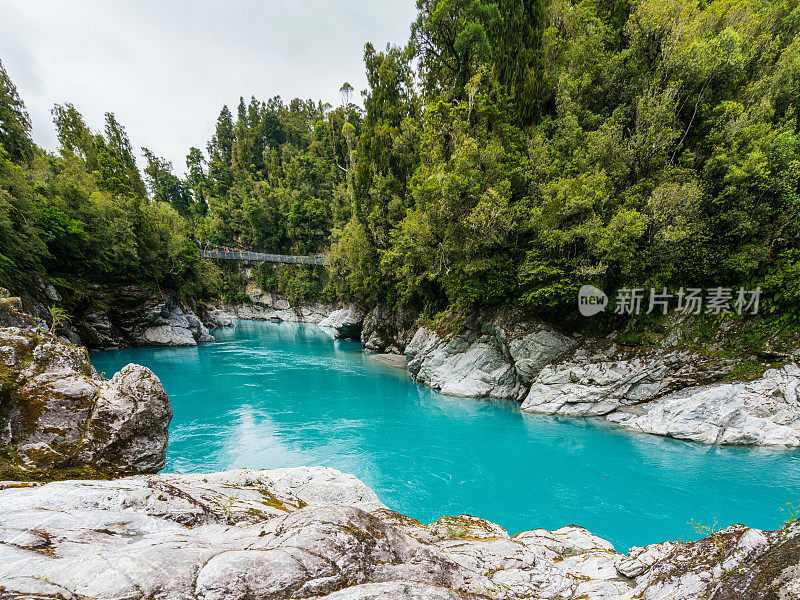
x=509, y=153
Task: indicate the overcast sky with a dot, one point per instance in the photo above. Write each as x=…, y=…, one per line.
x=166, y=67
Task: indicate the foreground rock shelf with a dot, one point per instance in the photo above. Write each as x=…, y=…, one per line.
x=313, y=532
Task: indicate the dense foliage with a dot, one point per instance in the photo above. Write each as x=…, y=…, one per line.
x=512, y=151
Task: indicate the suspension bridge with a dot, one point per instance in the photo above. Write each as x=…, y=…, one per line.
x=260, y=257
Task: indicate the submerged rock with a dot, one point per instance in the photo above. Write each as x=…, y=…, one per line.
x=57, y=413
x=313, y=532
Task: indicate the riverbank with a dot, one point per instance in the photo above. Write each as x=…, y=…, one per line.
x=677, y=384
x=712, y=391
x=285, y=394
x=318, y=533
x=302, y=532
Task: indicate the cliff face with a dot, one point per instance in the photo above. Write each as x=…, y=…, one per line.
x=103, y=317
x=59, y=417
x=273, y=306
x=317, y=533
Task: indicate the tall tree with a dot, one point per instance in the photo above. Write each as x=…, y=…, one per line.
x=165, y=186
x=220, y=151
x=15, y=125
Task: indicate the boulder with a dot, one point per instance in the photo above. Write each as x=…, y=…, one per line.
x=595, y=388
x=532, y=345
x=213, y=317
x=313, y=532
x=346, y=323
x=175, y=328
x=57, y=413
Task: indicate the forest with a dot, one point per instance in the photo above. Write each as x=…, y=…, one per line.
x=511, y=152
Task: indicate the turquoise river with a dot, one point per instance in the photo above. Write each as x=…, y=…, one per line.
x=284, y=394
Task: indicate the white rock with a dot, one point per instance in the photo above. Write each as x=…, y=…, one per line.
x=346, y=322
x=594, y=388
x=304, y=533
x=760, y=412
x=470, y=365
x=393, y=590
x=167, y=335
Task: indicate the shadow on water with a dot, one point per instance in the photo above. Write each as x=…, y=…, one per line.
x=275, y=395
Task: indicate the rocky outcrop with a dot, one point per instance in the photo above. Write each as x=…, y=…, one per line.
x=175, y=328
x=761, y=412
x=471, y=364
x=213, y=317
x=666, y=392
x=271, y=306
x=317, y=533
x=387, y=330
x=736, y=563
x=346, y=322
x=494, y=358
x=134, y=316
x=11, y=314
x=599, y=378
x=57, y=413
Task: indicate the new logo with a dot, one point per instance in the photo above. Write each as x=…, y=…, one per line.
x=591, y=300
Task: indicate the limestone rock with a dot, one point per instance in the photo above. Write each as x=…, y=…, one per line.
x=213, y=317
x=313, y=532
x=761, y=412
x=388, y=330
x=736, y=563
x=658, y=393
x=180, y=329
x=470, y=364
x=491, y=357
x=393, y=590
x=58, y=413
x=594, y=388
x=531, y=345
x=270, y=306
x=346, y=323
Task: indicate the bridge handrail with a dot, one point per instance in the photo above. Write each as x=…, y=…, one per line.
x=248, y=256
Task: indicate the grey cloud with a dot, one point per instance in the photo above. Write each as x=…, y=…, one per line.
x=166, y=68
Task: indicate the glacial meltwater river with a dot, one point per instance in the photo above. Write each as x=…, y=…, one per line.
x=284, y=394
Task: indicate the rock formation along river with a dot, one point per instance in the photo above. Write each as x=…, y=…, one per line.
x=286, y=394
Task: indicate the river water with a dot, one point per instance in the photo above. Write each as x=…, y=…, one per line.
x=285, y=394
